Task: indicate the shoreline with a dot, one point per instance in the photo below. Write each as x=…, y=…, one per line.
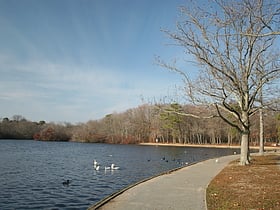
x=221, y=146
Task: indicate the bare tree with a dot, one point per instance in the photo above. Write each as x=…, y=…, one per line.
x=18, y=118
x=227, y=39
x=268, y=96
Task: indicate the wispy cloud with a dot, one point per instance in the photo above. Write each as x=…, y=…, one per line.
x=68, y=88
x=90, y=59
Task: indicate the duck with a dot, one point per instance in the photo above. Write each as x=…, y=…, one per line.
x=66, y=183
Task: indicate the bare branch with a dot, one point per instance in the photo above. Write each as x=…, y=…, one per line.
x=172, y=111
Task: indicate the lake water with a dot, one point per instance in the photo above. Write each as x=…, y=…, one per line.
x=32, y=172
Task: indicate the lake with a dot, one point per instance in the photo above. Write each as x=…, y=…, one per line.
x=32, y=172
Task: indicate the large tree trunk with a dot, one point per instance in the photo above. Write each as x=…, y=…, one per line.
x=245, y=132
x=244, y=153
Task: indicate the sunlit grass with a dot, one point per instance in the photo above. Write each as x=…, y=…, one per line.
x=255, y=186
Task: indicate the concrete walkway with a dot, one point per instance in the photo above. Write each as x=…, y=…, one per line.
x=183, y=189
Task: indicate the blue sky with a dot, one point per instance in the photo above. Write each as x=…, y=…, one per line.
x=78, y=60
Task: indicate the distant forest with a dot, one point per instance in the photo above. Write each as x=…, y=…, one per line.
x=146, y=123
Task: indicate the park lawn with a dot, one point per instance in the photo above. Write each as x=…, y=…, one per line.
x=255, y=186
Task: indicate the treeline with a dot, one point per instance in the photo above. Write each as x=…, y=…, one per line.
x=146, y=123
x=20, y=128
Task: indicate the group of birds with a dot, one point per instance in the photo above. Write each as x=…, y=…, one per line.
x=178, y=161
x=96, y=166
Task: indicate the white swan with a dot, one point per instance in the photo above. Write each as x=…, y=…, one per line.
x=96, y=166
x=95, y=163
x=113, y=167
x=107, y=168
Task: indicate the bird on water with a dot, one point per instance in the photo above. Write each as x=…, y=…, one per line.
x=113, y=167
x=66, y=183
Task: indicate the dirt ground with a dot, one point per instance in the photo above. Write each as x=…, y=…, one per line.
x=255, y=186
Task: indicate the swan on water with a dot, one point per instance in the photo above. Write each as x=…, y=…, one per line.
x=107, y=168
x=113, y=167
x=96, y=165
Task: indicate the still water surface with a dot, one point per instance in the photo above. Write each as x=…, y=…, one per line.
x=32, y=172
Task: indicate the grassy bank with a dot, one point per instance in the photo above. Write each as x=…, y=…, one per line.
x=255, y=186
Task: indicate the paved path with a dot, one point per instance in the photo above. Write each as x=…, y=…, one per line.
x=183, y=189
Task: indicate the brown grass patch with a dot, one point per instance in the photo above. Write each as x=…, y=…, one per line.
x=256, y=186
